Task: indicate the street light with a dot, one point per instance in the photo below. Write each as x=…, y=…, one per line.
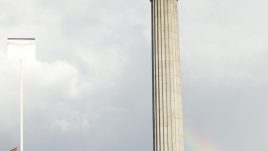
x=21, y=49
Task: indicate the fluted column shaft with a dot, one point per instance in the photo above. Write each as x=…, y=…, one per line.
x=167, y=105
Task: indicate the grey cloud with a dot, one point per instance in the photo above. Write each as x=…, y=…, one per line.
x=91, y=88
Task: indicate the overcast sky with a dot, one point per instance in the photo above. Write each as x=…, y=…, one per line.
x=91, y=86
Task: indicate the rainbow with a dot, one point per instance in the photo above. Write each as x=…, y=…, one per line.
x=195, y=142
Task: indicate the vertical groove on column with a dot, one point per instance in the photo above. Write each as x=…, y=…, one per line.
x=168, y=67
x=171, y=74
x=153, y=74
x=161, y=106
x=174, y=79
x=162, y=36
x=180, y=102
x=157, y=74
x=180, y=132
x=165, y=76
x=177, y=82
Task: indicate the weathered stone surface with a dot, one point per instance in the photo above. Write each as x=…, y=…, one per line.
x=167, y=105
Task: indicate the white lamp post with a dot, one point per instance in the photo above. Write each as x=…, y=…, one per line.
x=21, y=49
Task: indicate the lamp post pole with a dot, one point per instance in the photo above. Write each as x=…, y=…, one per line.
x=21, y=49
x=21, y=105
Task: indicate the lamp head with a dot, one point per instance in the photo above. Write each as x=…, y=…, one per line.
x=21, y=48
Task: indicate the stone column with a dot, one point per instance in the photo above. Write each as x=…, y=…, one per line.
x=167, y=105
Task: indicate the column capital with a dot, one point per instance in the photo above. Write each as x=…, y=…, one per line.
x=151, y=0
